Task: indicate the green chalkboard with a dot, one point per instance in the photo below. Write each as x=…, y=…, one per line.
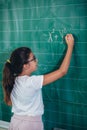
x=42, y=25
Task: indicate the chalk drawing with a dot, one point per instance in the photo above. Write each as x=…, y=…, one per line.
x=50, y=37
x=53, y=36
x=56, y=37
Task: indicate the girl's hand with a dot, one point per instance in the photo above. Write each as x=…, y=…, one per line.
x=69, y=40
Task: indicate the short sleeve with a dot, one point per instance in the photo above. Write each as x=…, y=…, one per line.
x=37, y=81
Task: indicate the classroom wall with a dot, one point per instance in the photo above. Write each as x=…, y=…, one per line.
x=42, y=25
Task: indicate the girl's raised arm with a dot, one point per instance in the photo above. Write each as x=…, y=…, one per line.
x=55, y=75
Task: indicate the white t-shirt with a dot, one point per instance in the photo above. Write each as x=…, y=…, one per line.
x=26, y=96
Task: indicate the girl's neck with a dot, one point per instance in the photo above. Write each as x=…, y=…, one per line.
x=23, y=74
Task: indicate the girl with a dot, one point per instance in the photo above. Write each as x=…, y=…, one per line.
x=23, y=91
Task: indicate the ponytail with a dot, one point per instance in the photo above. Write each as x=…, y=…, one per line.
x=8, y=82
x=12, y=69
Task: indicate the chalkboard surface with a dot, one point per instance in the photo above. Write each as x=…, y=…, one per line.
x=42, y=25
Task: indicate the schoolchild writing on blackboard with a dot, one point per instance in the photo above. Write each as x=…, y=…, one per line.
x=23, y=91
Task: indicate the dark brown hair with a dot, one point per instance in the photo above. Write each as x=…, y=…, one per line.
x=12, y=68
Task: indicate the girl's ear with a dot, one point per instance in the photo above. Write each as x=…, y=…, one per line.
x=26, y=66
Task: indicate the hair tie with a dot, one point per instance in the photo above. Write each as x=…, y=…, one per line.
x=8, y=61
